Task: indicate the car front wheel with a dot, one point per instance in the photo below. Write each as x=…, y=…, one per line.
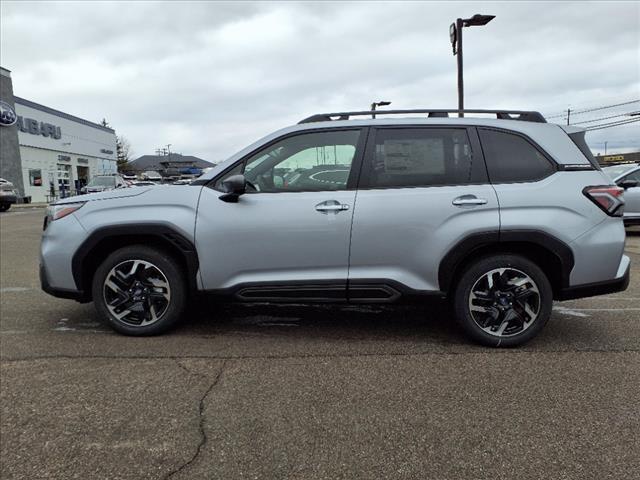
x=139, y=290
x=503, y=300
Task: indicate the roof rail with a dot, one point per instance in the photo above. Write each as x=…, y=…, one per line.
x=522, y=115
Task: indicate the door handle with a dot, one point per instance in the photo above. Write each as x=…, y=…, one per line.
x=331, y=206
x=470, y=200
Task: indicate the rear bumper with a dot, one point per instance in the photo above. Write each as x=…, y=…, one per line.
x=60, y=292
x=617, y=284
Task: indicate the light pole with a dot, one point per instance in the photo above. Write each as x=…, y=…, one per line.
x=455, y=34
x=378, y=104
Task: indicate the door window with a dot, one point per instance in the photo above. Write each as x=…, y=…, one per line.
x=419, y=157
x=512, y=158
x=309, y=162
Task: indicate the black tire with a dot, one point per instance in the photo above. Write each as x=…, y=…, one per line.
x=538, y=296
x=4, y=207
x=170, y=309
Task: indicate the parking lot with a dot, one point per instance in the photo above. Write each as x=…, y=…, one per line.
x=311, y=392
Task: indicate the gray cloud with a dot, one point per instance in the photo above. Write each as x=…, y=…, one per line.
x=211, y=77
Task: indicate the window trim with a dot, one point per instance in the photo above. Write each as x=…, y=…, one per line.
x=555, y=166
x=354, y=173
x=478, y=172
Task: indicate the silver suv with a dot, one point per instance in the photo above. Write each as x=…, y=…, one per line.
x=499, y=215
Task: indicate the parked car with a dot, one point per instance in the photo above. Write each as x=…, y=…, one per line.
x=102, y=183
x=152, y=176
x=628, y=177
x=142, y=183
x=500, y=216
x=7, y=195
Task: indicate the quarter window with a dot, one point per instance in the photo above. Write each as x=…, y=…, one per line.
x=419, y=157
x=308, y=162
x=511, y=158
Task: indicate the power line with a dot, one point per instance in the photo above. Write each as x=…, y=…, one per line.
x=582, y=105
x=613, y=124
x=603, y=118
x=606, y=107
x=578, y=112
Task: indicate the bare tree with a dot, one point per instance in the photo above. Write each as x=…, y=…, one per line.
x=124, y=152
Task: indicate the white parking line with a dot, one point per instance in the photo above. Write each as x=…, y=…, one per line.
x=14, y=289
x=569, y=311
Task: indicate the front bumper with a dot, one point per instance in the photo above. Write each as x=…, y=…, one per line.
x=79, y=296
x=10, y=198
x=617, y=284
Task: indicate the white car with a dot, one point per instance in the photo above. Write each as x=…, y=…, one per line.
x=7, y=195
x=152, y=176
x=628, y=177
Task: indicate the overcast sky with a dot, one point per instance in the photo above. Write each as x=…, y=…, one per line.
x=211, y=77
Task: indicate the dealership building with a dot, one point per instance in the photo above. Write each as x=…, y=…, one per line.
x=47, y=153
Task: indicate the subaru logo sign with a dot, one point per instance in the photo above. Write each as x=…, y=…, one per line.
x=8, y=115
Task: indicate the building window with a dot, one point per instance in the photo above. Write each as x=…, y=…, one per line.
x=35, y=177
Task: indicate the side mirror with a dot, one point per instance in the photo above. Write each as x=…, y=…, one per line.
x=628, y=183
x=234, y=186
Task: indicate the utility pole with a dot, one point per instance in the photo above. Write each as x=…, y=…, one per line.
x=605, y=147
x=568, y=115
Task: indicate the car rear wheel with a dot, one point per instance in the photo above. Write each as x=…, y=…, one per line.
x=139, y=290
x=4, y=207
x=503, y=300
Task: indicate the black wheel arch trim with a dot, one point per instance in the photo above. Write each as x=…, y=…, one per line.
x=166, y=233
x=462, y=250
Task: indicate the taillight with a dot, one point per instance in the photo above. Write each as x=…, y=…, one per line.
x=608, y=197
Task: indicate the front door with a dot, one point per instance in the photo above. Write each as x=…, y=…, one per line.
x=288, y=236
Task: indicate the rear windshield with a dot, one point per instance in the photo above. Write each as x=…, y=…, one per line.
x=578, y=139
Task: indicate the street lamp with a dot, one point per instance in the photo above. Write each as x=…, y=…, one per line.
x=378, y=104
x=455, y=34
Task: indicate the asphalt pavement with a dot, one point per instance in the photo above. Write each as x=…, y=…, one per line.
x=308, y=391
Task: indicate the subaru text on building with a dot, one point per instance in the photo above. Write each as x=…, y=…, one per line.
x=499, y=215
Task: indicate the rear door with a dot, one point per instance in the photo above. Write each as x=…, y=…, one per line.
x=422, y=190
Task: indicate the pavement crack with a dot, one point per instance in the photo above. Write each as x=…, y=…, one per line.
x=201, y=419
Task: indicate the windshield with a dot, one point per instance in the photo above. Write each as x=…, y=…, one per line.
x=617, y=170
x=102, y=182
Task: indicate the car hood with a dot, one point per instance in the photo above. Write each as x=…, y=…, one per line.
x=109, y=194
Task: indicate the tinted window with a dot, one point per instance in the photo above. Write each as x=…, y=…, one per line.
x=511, y=158
x=419, y=157
x=316, y=161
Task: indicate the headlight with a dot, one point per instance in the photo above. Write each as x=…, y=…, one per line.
x=56, y=212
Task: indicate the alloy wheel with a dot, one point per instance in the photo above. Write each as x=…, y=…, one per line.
x=136, y=293
x=504, y=302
